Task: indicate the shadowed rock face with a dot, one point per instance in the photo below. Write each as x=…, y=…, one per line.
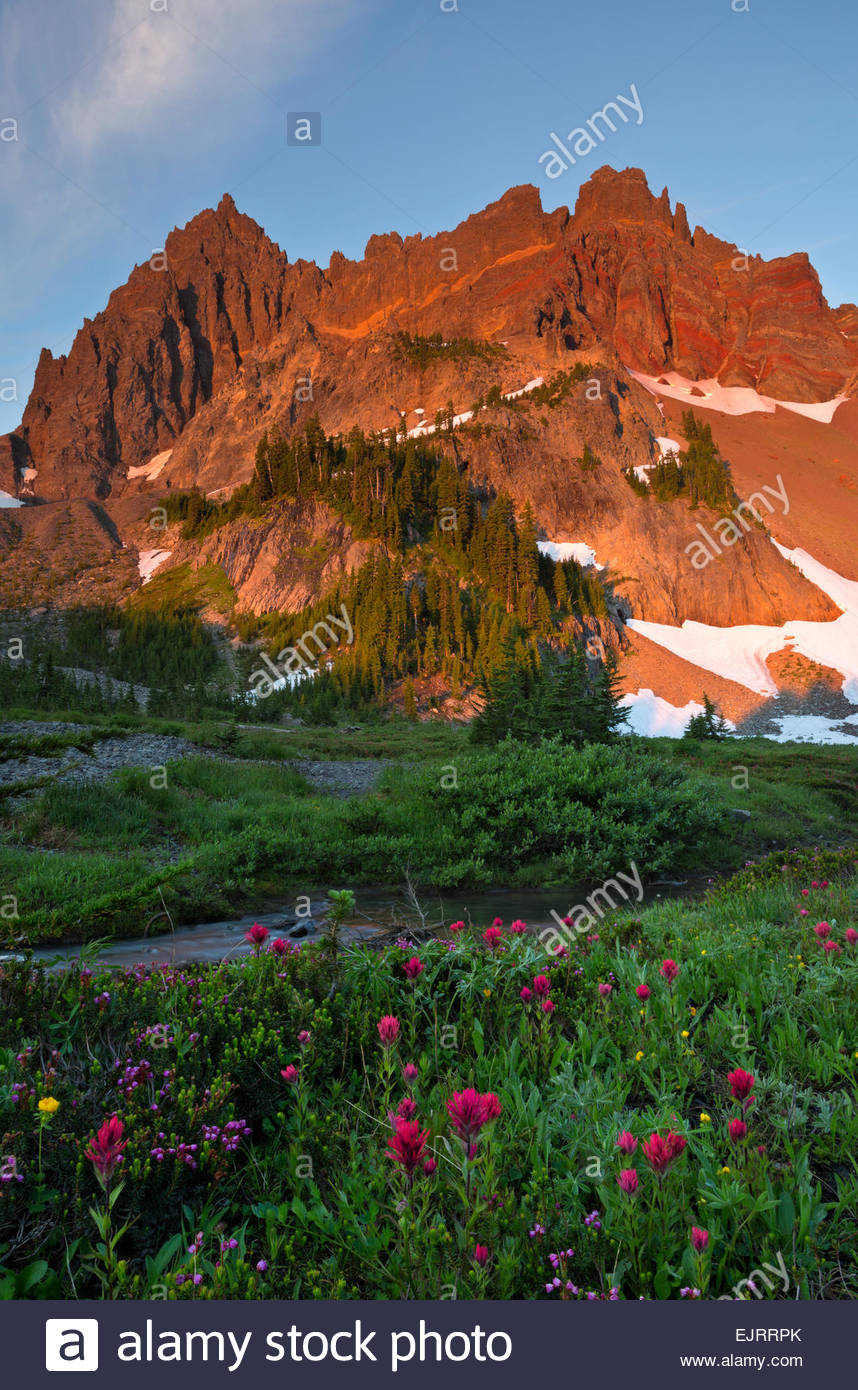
x=201, y=350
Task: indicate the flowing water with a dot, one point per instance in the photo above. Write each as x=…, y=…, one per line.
x=378, y=910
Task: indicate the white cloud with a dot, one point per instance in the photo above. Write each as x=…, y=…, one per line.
x=156, y=63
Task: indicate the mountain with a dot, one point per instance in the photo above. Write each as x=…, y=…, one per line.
x=625, y=316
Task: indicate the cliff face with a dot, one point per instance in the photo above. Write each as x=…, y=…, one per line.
x=623, y=274
x=222, y=337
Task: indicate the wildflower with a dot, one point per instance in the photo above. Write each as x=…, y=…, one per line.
x=9, y=1171
x=257, y=936
x=518, y=927
x=469, y=1111
x=406, y=1109
x=852, y=936
x=822, y=930
x=290, y=1074
x=536, y=1231
x=737, y=1129
x=413, y=967
x=278, y=946
x=704, y=1118
x=429, y=1167
x=487, y=993
x=49, y=1105
x=262, y=1266
x=628, y=1181
x=685, y=1033
x=643, y=993
x=410, y=1073
x=456, y=927
x=605, y=990
x=105, y=1150
x=660, y=1153
x=497, y=921
x=526, y=995
x=548, y=1006
x=626, y=1142
x=831, y=948
x=492, y=937
x=388, y=1030
x=699, y=1239
x=741, y=1083
x=688, y=1292
x=561, y=952
x=593, y=1222
x=481, y=1255
x=669, y=970
x=303, y=1038
x=541, y=986
x=639, y=1056
x=723, y=1171
x=408, y=1145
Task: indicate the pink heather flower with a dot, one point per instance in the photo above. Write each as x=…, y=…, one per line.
x=262, y=1266
x=492, y=936
x=643, y=993
x=481, y=1255
x=741, y=1083
x=413, y=967
x=737, y=1129
x=303, y=1038
x=831, y=948
x=429, y=1167
x=628, y=1181
x=290, y=1074
x=851, y=936
x=526, y=994
x=626, y=1142
x=388, y=1030
x=548, y=1006
x=406, y=1109
x=105, y=1150
x=669, y=970
x=518, y=927
x=699, y=1239
x=541, y=986
x=408, y=1145
x=605, y=990
x=257, y=936
x=410, y=1073
x=822, y=930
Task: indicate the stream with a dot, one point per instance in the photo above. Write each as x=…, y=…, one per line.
x=377, y=910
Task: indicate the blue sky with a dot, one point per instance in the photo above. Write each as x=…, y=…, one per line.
x=132, y=115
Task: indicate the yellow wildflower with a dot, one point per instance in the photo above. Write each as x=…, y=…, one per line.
x=487, y=993
x=685, y=1033
x=639, y=1056
x=692, y=1011
x=723, y=1170
x=48, y=1105
x=704, y=1118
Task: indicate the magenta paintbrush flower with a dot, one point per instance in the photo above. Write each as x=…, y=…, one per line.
x=290, y=1074
x=481, y=1255
x=408, y=1145
x=851, y=936
x=741, y=1083
x=388, y=1030
x=737, y=1129
x=413, y=967
x=626, y=1142
x=699, y=1239
x=105, y=1150
x=669, y=970
x=469, y=1111
x=660, y=1152
x=541, y=986
x=492, y=937
x=628, y=1181
x=643, y=993
x=257, y=936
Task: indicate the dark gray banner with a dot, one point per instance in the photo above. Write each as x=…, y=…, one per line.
x=189, y=1344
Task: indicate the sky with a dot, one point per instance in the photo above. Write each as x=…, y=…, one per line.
x=120, y=119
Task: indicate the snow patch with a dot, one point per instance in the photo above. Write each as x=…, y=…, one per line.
x=666, y=445
x=732, y=400
x=579, y=551
x=151, y=469
x=149, y=560
x=652, y=717
x=423, y=427
x=814, y=728
x=6, y=500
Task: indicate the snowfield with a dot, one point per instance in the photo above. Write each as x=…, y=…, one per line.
x=149, y=560
x=733, y=400
x=652, y=717
x=151, y=469
x=579, y=551
x=6, y=500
